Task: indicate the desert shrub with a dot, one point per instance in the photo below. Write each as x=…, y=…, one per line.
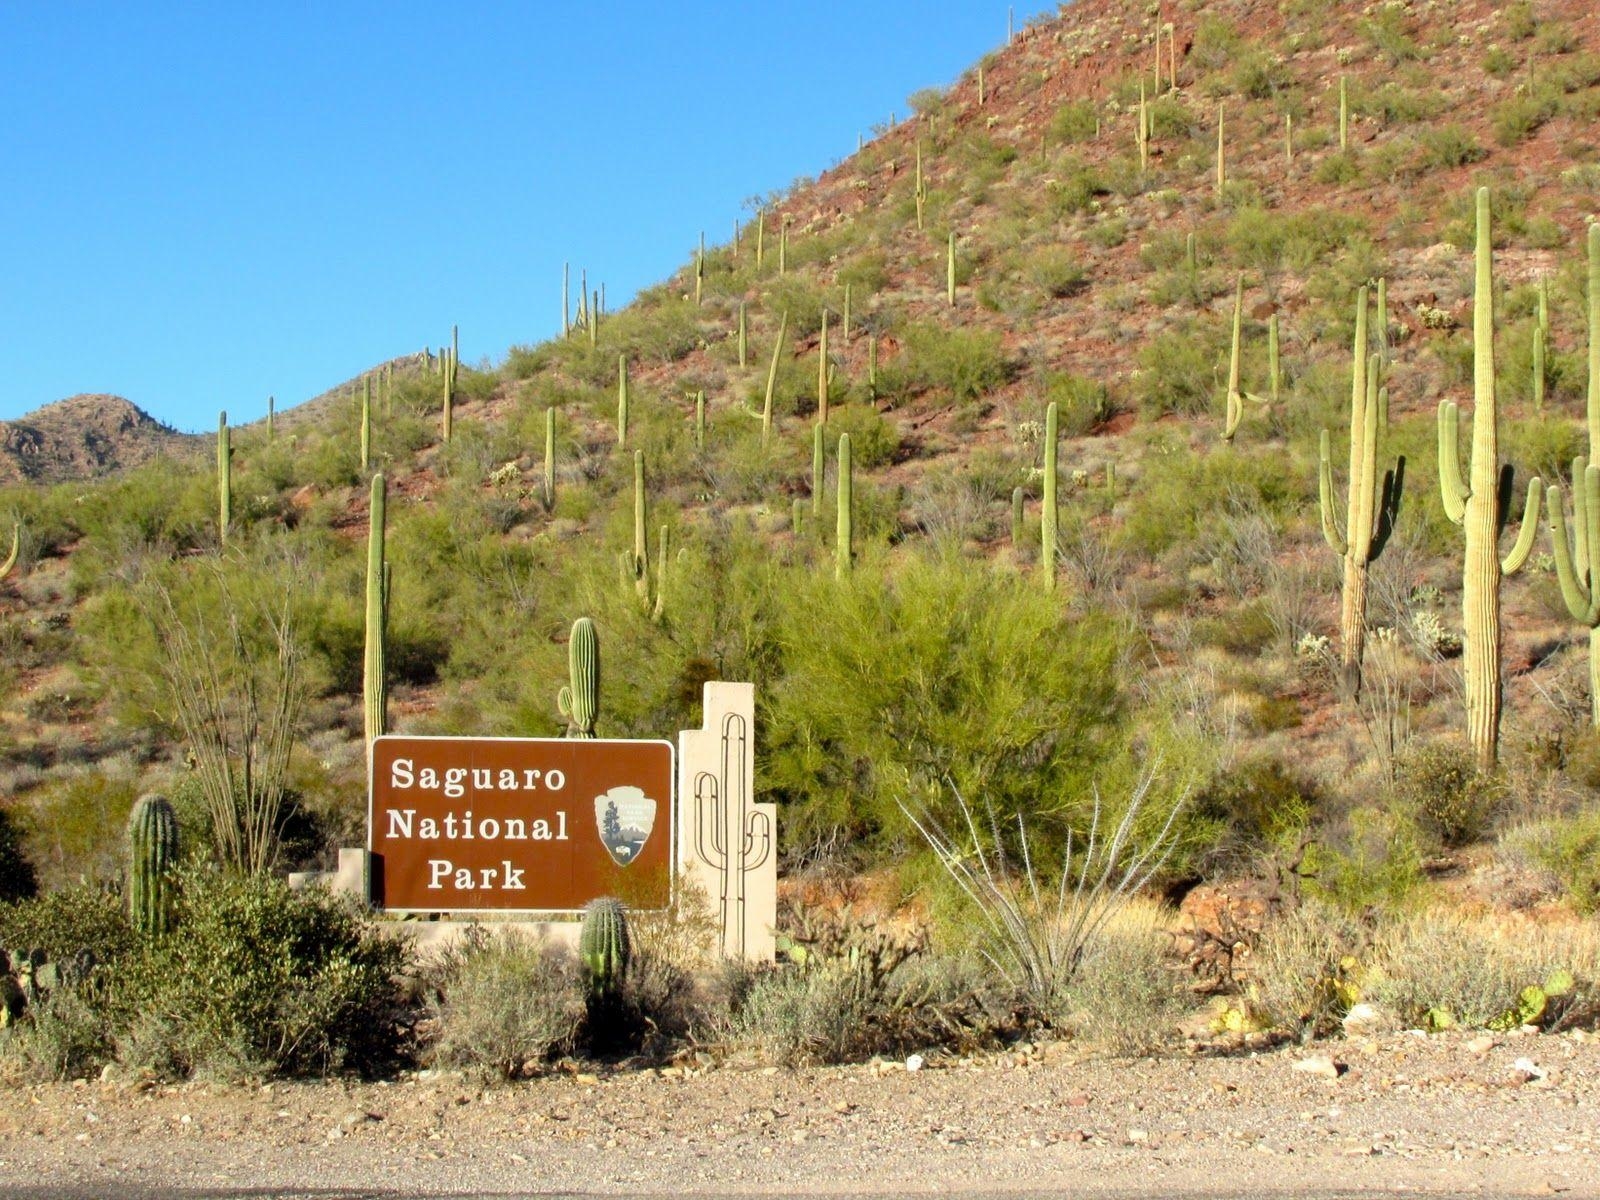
x=1082, y=404
x=1260, y=76
x=958, y=364
x=1336, y=169
x=1125, y=996
x=866, y=274
x=1074, y=121
x=1441, y=968
x=62, y=923
x=1056, y=272
x=504, y=1002
x=1304, y=967
x=1447, y=146
x=75, y=826
x=1569, y=848
x=1216, y=44
x=260, y=979
x=1177, y=374
x=1372, y=862
x=1170, y=119
x=874, y=438
x=1516, y=118
x=1440, y=782
x=66, y=1034
x=1386, y=31
x=1257, y=805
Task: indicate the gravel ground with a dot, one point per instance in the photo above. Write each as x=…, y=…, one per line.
x=1450, y=1114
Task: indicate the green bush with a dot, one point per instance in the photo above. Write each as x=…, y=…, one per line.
x=63, y=923
x=1439, y=781
x=1372, y=863
x=504, y=1003
x=1082, y=404
x=1447, y=146
x=1075, y=121
x=1258, y=806
x=1056, y=272
x=1177, y=374
x=1124, y=997
x=1569, y=848
x=959, y=365
x=261, y=980
x=1302, y=967
x=874, y=438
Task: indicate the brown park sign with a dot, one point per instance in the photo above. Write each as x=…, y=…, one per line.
x=530, y=824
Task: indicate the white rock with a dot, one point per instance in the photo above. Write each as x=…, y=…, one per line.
x=1318, y=1064
x=914, y=1063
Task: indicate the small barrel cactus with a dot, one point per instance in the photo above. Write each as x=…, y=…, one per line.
x=152, y=853
x=603, y=945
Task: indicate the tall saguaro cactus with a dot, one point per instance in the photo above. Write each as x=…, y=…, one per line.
x=845, y=518
x=622, y=399
x=1481, y=506
x=374, y=671
x=1578, y=560
x=366, y=423
x=639, y=560
x=579, y=702
x=224, y=477
x=1370, y=514
x=152, y=854
x=1048, y=515
x=822, y=370
x=549, y=482
x=16, y=549
x=772, y=380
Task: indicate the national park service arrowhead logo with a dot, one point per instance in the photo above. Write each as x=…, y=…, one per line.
x=624, y=816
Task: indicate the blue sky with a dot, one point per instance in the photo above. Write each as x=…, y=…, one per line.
x=208, y=205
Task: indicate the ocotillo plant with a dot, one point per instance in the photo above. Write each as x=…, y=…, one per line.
x=224, y=478
x=152, y=855
x=374, y=682
x=1370, y=514
x=729, y=835
x=549, y=458
x=844, y=532
x=1578, y=561
x=579, y=702
x=1481, y=506
x=1048, y=515
x=772, y=379
x=604, y=946
x=622, y=399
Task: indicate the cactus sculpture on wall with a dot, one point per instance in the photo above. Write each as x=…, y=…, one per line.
x=1481, y=505
x=374, y=686
x=728, y=833
x=152, y=854
x=845, y=518
x=224, y=478
x=1048, y=515
x=580, y=701
x=604, y=946
x=1578, y=557
x=1370, y=514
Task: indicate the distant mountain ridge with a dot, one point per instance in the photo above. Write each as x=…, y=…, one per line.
x=85, y=437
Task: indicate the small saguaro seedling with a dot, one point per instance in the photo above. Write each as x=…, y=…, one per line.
x=579, y=701
x=152, y=855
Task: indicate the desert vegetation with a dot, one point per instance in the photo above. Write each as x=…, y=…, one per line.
x=1005, y=458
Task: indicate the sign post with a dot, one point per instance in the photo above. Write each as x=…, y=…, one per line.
x=519, y=824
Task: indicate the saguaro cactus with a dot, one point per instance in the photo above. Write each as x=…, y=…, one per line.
x=1222, y=162
x=728, y=834
x=1578, y=561
x=844, y=534
x=1344, y=114
x=579, y=702
x=822, y=370
x=272, y=418
x=549, y=458
x=224, y=477
x=622, y=399
x=152, y=854
x=374, y=686
x=366, y=423
x=1048, y=515
x=1481, y=506
x=744, y=336
x=1369, y=514
x=639, y=561
x=950, y=270
x=772, y=379
x=604, y=946
x=1235, y=400
x=817, y=468
x=16, y=548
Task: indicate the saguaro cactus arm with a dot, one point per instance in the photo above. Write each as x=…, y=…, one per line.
x=1528, y=530
x=16, y=548
x=1330, y=530
x=1577, y=586
x=1452, y=488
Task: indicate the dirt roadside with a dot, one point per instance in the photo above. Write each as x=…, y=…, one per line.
x=1455, y=1114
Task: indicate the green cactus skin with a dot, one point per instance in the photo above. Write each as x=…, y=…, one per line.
x=549, y=480
x=1578, y=560
x=366, y=424
x=1274, y=365
x=921, y=193
x=152, y=853
x=761, y=236
x=1344, y=114
x=1048, y=515
x=822, y=370
x=817, y=468
x=594, y=320
x=272, y=418
x=622, y=400
x=579, y=702
x=872, y=365
x=16, y=548
x=1141, y=135
x=744, y=337
x=1538, y=369
x=783, y=245
x=1017, y=510
x=772, y=379
x=700, y=420
x=374, y=693
x=1288, y=138
x=639, y=564
x=1370, y=515
x=604, y=945
x=950, y=270
x=1235, y=401
x=566, y=300
x=844, y=321
x=1381, y=328
x=224, y=478
x=699, y=269
x=447, y=414
x=1476, y=506
x=845, y=528
x=980, y=82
